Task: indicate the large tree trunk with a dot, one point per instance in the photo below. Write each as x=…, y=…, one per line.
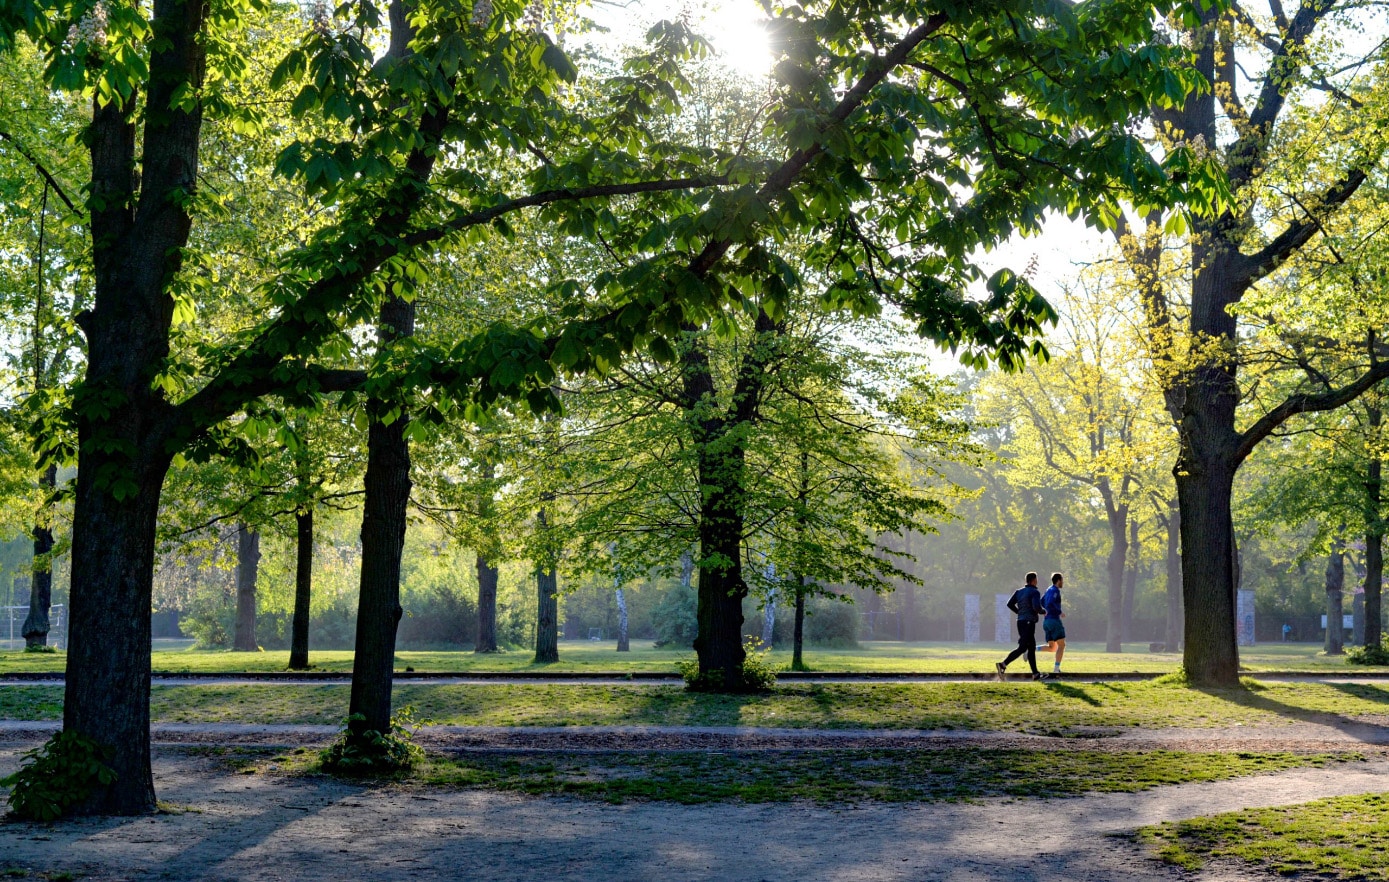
x=1118, y=552
x=719, y=640
x=1335, y=599
x=36, y=623
x=1208, y=575
x=247, y=568
x=303, y=589
x=546, y=607
x=1374, y=536
x=124, y=425
x=107, y=687
x=1174, y=579
x=1131, y=578
x=486, y=605
x=387, y=486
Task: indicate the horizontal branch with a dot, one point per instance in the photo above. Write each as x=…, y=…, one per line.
x=1296, y=404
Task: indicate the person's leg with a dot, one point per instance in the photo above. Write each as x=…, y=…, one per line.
x=1060, y=651
x=1027, y=640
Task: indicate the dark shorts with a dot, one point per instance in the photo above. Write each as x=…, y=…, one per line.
x=1053, y=629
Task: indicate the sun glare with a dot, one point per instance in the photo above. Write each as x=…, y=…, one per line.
x=739, y=35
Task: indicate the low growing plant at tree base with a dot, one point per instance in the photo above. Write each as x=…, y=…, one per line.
x=1369, y=655
x=369, y=752
x=62, y=773
x=759, y=675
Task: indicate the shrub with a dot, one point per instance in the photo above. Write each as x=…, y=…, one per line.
x=370, y=752
x=40, y=647
x=1369, y=655
x=831, y=622
x=676, y=618
x=58, y=775
x=758, y=674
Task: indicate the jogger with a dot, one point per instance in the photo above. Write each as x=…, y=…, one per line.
x=1027, y=603
x=1052, y=629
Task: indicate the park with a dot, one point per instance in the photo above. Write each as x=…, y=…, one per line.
x=602, y=440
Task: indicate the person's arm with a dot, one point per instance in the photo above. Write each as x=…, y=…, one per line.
x=1013, y=603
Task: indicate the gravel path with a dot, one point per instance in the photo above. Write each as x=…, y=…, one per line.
x=259, y=827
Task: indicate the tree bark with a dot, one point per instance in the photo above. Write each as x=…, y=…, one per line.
x=247, y=568
x=1174, y=579
x=303, y=589
x=107, y=686
x=1131, y=579
x=622, y=645
x=1374, y=535
x=1118, y=553
x=1335, y=597
x=36, y=623
x=1210, y=656
x=546, y=607
x=387, y=495
x=798, y=634
x=486, y=605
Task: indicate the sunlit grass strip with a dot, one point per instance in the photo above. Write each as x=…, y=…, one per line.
x=1345, y=837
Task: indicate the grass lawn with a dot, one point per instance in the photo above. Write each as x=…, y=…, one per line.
x=830, y=777
x=1345, y=837
x=1025, y=706
x=582, y=655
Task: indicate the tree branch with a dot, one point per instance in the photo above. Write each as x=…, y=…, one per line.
x=39, y=167
x=1296, y=404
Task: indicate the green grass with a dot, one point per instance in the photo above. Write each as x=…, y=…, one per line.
x=1025, y=706
x=582, y=655
x=1344, y=837
x=840, y=777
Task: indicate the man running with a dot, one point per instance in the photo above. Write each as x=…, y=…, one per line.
x=1027, y=603
x=1052, y=628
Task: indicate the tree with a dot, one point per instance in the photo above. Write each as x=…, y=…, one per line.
x=1272, y=133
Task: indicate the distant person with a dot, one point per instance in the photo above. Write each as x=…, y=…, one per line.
x=1287, y=631
x=1026, y=602
x=1052, y=629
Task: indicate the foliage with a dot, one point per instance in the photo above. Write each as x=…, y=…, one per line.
x=675, y=618
x=369, y=752
x=832, y=622
x=1369, y=655
x=57, y=776
x=759, y=674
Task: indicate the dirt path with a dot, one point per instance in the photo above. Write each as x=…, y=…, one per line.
x=258, y=827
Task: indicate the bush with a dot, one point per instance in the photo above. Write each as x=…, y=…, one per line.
x=1369, y=655
x=62, y=773
x=758, y=673
x=40, y=647
x=831, y=622
x=676, y=618
x=371, y=752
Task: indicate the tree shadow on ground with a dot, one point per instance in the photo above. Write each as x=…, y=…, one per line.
x=1252, y=697
x=1363, y=691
